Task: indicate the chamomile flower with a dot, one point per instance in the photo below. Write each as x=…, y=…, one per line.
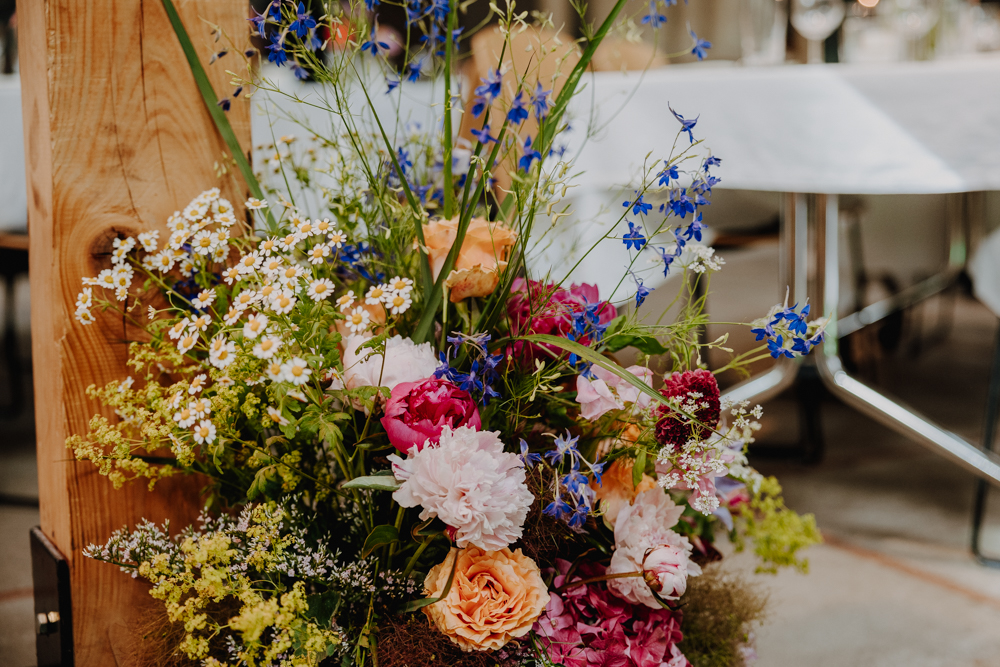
x=296, y=371
x=288, y=242
x=121, y=293
x=187, y=266
x=282, y=302
x=324, y=226
x=163, y=261
x=106, y=279
x=177, y=224
x=232, y=316
x=221, y=352
x=358, y=320
x=249, y=262
x=272, y=266
x=121, y=249
x=256, y=324
x=266, y=348
x=267, y=291
x=398, y=284
x=226, y=219
x=187, y=341
x=231, y=275
x=320, y=289
x=84, y=316
x=91, y=282
x=245, y=299
x=204, y=299
x=197, y=384
x=195, y=211
x=201, y=323
x=150, y=240
x=376, y=294
x=178, y=328
x=303, y=227
x=184, y=417
x=399, y=303
x=273, y=371
x=337, y=239
x=221, y=253
x=200, y=408
x=255, y=204
x=289, y=276
x=203, y=243
x=222, y=206
x=318, y=253
x=123, y=276
x=267, y=246
x=204, y=432
x=276, y=416
x=86, y=298
x=346, y=301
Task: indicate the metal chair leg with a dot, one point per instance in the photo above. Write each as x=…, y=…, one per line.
x=989, y=429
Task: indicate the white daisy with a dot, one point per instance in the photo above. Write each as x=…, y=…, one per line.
x=282, y=302
x=221, y=253
x=86, y=298
x=267, y=246
x=221, y=352
x=231, y=275
x=203, y=243
x=346, y=301
x=184, y=417
x=255, y=204
x=178, y=329
x=266, y=348
x=399, y=303
x=337, y=239
x=324, y=226
x=201, y=323
x=276, y=416
x=289, y=242
x=296, y=371
x=197, y=384
x=318, y=253
x=84, y=316
x=204, y=432
x=274, y=371
x=204, y=298
x=289, y=277
x=255, y=325
x=245, y=299
x=320, y=289
x=376, y=294
x=398, y=284
x=222, y=206
x=176, y=223
x=149, y=240
x=187, y=341
x=249, y=262
x=267, y=291
x=200, y=408
x=226, y=219
x=106, y=279
x=232, y=316
x=121, y=293
x=272, y=266
x=357, y=321
x=304, y=227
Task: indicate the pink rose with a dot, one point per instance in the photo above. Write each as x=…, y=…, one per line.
x=608, y=392
x=417, y=412
x=665, y=570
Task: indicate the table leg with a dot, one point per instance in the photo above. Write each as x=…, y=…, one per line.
x=890, y=412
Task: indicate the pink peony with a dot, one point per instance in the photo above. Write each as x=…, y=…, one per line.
x=534, y=307
x=418, y=411
x=665, y=570
x=608, y=392
x=586, y=626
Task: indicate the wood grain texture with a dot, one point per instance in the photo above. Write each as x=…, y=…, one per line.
x=117, y=138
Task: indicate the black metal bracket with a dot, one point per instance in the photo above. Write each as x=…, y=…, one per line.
x=53, y=603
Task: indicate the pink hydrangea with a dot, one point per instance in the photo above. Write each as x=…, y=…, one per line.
x=538, y=308
x=587, y=626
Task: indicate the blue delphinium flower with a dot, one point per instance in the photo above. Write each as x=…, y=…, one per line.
x=680, y=203
x=695, y=229
x=300, y=72
x=518, y=113
x=786, y=331
x=712, y=161
x=639, y=207
x=487, y=92
x=392, y=82
x=375, y=46
x=668, y=259
x=483, y=373
x=223, y=103
x=304, y=22
x=641, y=291
x=530, y=155
x=415, y=69
x=259, y=22
x=634, y=238
x=277, y=53
x=653, y=17
x=370, y=5
x=540, y=101
x=574, y=499
x=669, y=172
x=700, y=46
x=274, y=10
x=483, y=135
x=687, y=124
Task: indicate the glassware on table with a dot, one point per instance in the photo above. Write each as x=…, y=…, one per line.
x=868, y=36
x=762, y=31
x=914, y=19
x=816, y=20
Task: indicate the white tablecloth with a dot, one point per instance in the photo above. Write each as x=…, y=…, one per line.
x=13, y=188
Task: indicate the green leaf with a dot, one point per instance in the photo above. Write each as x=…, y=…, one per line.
x=648, y=344
x=597, y=359
x=373, y=483
x=264, y=483
x=639, y=468
x=380, y=535
x=322, y=607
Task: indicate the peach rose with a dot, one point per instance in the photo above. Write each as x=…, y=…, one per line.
x=479, y=263
x=496, y=597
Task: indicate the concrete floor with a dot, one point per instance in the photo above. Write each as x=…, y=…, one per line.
x=893, y=585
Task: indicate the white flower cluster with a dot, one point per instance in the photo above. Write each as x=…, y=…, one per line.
x=394, y=296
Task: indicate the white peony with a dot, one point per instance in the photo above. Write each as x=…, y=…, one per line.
x=468, y=482
x=405, y=361
x=640, y=531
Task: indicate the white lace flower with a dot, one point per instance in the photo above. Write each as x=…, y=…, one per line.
x=266, y=348
x=256, y=324
x=296, y=371
x=468, y=482
x=204, y=432
x=320, y=289
x=639, y=529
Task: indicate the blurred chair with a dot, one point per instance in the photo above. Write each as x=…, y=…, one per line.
x=984, y=270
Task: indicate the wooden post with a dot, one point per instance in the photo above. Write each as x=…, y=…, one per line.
x=117, y=138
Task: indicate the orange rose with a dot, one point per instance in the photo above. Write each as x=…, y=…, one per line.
x=479, y=262
x=496, y=597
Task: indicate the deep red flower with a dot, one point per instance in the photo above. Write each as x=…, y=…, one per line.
x=674, y=429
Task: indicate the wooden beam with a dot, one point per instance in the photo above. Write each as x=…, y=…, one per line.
x=117, y=138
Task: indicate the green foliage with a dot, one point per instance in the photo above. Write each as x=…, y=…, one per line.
x=778, y=534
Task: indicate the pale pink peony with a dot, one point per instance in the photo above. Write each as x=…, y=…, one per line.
x=665, y=570
x=405, y=361
x=468, y=482
x=608, y=392
x=641, y=529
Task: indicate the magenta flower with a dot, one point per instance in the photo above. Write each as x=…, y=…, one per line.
x=539, y=308
x=417, y=412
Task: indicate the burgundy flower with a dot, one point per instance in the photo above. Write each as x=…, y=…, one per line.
x=697, y=386
x=417, y=412
x=538, y=308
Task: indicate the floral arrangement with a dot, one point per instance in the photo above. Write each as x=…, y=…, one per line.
x=417, y=451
